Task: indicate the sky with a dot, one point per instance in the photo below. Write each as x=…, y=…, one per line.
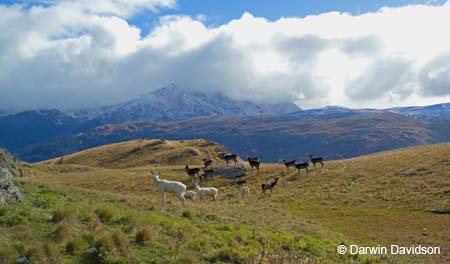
x=72, y=54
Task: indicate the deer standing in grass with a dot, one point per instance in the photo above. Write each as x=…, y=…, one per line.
x=207, y=173
x=301, y=166
x=206, y=191
x=314, y=161
x=192, y=172
x=245, y=190
x=254, y=163
x=289, y=164
x=229, y=157
x=269, y=186
x=207, y=163
x=165, y=186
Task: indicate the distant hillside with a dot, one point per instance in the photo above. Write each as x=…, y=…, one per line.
x=335, y=135
x=441, y=111
x=24, y=128
x=144, y=152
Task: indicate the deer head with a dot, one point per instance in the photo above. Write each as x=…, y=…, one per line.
x=155, y=174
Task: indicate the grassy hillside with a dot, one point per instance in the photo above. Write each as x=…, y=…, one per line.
x=397, y=197
x=142, y=152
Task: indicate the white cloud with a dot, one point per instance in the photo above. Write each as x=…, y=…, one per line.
x=79, y=53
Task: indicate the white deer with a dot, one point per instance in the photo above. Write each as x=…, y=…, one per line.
x=204, y=192
x=163, y=186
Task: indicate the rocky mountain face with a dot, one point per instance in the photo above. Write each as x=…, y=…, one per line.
x=173, y=103
x=8, y=169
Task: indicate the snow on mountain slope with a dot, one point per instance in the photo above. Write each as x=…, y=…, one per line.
x=173, y=103
x=441, y=111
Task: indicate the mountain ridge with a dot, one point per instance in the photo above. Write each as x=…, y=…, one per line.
x=271, y=138
x=174, y=103
x=246, y=127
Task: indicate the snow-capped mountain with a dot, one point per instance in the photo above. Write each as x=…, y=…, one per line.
x=174, y=103
x=441, y=111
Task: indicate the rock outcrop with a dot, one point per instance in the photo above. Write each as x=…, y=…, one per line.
x=8, y=169
x=8, y=191
x=230, y=172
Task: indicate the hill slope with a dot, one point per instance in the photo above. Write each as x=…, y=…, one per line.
x=398, y=197
x=24, y=128
x=335, y=135
x=144, y=152
x=439, y=111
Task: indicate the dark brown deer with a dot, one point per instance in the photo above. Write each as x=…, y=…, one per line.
x=207, y=163
x=192, y=172
x=207, y=173
x=229, y=157
x=301, y=166
x=254, y=163
x=269, y=186
x=316, y=160
x=289, y=164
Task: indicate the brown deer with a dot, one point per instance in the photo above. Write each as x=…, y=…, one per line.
x=207, y=163
x=269, y=186
x=289, y=164
x=254, y=163
x=192, y=172
x=316, y=160
x=207, y=173
x=303, y=165
x=229, y=157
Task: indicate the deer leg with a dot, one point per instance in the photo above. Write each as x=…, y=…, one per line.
x=182, y=199
x=163, y=199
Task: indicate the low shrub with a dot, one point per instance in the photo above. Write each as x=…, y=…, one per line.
x=59, y=214
x=73, y=246
x=187, y=214
x=15, y=220
x=62, y=230
x=105, y=214
x=120, y=240
x=142, y=236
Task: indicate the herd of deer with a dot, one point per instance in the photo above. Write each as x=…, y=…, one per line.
x=179, y=188
x=254, y=163
x=208, y=172
x=303, y=165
